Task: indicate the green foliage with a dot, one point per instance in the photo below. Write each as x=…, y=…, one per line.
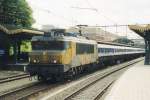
x=124, y=41
x=26, y=46
x=16, y=12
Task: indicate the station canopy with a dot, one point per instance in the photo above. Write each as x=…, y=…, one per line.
x=15, y=35
x=24, y=33
x=4, y=29
x=142, y=30
x=19, y=33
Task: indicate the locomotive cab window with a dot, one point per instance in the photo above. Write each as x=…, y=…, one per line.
x=49, y=45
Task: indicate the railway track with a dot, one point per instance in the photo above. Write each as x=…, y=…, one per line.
x=103, y=91
x=23, y=92
x=13, y=78
x=69, y=88
x=78, y=95
x=16, y=89
x=103, y=83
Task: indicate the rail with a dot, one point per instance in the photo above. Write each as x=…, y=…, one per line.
x=13, y=78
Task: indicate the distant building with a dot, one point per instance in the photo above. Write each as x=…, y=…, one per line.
x=94, y=33
x=47, y=28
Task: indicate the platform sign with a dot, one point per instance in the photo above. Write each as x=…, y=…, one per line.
x=2, y=52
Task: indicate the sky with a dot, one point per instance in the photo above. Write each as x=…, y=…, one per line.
x=66, y=13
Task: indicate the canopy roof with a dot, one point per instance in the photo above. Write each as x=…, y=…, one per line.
x=4, y=29
x=142, y=30
x=21, y=33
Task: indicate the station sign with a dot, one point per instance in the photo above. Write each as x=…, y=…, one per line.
x=2, y=52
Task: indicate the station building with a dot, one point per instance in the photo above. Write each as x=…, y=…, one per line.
x=13, y=42
x=4, y=44
x=94, y=33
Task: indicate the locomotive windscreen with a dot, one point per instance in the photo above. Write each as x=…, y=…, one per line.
x=49, y=45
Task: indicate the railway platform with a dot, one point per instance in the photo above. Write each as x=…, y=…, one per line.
x=16, y=67
x=134, y=84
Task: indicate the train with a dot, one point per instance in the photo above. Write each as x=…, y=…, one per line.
x=67, y=54
x=115, y=53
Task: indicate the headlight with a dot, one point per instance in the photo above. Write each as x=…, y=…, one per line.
x=34, y=61
x=29, y=59
x=55, y=61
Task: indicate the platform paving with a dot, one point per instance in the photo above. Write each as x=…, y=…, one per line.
x=134, y=84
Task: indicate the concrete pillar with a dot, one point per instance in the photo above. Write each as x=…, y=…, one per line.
x=147, y=50
x=18, y=49
x=15, y=51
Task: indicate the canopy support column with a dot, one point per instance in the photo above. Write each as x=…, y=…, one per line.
x=144, y=31
x=147, y=54
x=15, y=52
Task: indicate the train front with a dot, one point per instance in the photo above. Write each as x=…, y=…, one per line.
x=49, y=57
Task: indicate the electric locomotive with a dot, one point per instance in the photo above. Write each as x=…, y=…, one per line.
x=61, y=53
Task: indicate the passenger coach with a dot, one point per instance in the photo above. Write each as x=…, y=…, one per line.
x=112, y=53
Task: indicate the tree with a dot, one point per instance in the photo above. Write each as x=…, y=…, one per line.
x=16, y=12
x=124, y=41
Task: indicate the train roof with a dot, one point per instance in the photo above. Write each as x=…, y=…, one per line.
x=114, y=44
x=117, y=44
x=79, y=39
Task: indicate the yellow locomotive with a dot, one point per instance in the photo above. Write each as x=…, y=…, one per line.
x=58, y=54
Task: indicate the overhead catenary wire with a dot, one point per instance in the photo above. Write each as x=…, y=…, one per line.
x=84, y=8
x=98, y=12
x=54, y=14
x=92, y=8
x=87, y=8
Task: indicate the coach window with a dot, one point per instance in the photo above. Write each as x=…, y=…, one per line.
x=107, y=50
x=101, y=50
x=82, y=48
